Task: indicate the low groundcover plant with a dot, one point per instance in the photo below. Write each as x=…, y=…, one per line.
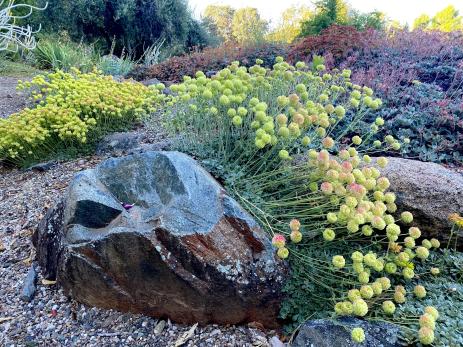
x=286, y=142
x=71, y=110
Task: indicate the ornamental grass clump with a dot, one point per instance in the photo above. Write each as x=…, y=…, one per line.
x=286, y=143
x=70, y=111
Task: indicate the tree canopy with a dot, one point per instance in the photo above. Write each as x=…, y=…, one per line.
x=290, y=25
x=447, y=20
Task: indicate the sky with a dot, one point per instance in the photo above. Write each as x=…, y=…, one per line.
x=405, y=11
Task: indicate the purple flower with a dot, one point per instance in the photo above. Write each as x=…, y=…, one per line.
x=127, y=206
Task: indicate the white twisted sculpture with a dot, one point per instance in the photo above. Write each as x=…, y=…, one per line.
x=13, y=36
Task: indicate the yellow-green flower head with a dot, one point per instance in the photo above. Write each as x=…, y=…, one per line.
x=329, y=234
x=396, y=146
x=293, y=100
x=385, y=282
x=393, y=229
x=378, y=266
x=242, y=111
x=294, y=224
x=363, y=277
x=370, y=259
x=432, y=311
x=389, y=219
x=281, y=119
x=422, y=252
x=301, y=88
x=426, y=336
x=279, y=59
x=268, y=127
x=383, y=183
x=340, y=111
x=378, y=223
x=382, y=162
x=253, y=102
x=403, y=257
x=256, y=125
x=390, y=268
x=378, y=195
x=388, y=307
x=353, y=294
x=358, y=267
x=408, y=273
x=282, y=101
x=306, y=141
x=283, y=132
x=420, y=291
x=359, y=307
x=357, y=256
x=389, y=197
x=332, y=217
x=367, y=230
x=237, y=121
x=377, y=143
x=300, y=65
x=377, y=288
x=409, y=242
x=435, y=243
x=352, y=226
x=354, y=102
x=426, y=243
x=358, y=335
x=435, y=271
x=338, y=261
x=296, y=236
x=357, y=140
x=399, y=297
x=329, y=108
x=414, y=232
x=283, y=253
x=428, y=321
x=259, y=61
x=400, y=289
x=224, y=100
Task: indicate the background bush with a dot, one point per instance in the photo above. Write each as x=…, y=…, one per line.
x=210, y=59
x=134, y=24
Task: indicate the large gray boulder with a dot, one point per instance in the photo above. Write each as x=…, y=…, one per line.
x=337, y=333
x=430, y=191
x=185, y=250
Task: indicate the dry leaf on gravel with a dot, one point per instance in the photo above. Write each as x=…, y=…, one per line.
x=48, y=282
x=186, y=336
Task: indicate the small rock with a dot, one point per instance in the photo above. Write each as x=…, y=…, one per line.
x=28, y=290
x=159, y=327
x=118, y=143
x=329, y=333
x=275, y=342
x=41, y=167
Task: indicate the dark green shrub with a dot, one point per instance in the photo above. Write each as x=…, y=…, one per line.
x=134, y=24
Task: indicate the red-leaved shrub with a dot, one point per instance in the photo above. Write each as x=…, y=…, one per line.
x=211, y=59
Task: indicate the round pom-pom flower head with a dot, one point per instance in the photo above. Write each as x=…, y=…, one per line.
x=358, y=335
x=428, y=321
x=338, y=261
x=407, y=217
x=388, y=307
x=420, y=291
x=426, y=336
x=278, y=240
x=359, y=307
x=432, y=311
x=296, y=236
x=283, y=252
x=329, y=234
x=294, y=224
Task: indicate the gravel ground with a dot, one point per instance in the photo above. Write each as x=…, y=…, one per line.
x=11, y=101
x=51, y=319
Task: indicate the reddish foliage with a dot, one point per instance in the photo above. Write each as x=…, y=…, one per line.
x=337, y=41
x=210, y=59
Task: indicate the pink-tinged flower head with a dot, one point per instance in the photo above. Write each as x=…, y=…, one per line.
x=347, y=166
x=326, y=187
x=294, y=224
x=278, y=240
x=356, y=189
x=323, y=156
x=344, y=154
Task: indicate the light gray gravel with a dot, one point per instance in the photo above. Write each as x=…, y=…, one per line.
x=11, y=101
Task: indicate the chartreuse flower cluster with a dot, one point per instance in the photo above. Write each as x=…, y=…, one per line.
x=70, y=109
x=287, y=145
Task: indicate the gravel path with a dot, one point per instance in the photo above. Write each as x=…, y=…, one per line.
x=50, y=319
x=11, y=101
